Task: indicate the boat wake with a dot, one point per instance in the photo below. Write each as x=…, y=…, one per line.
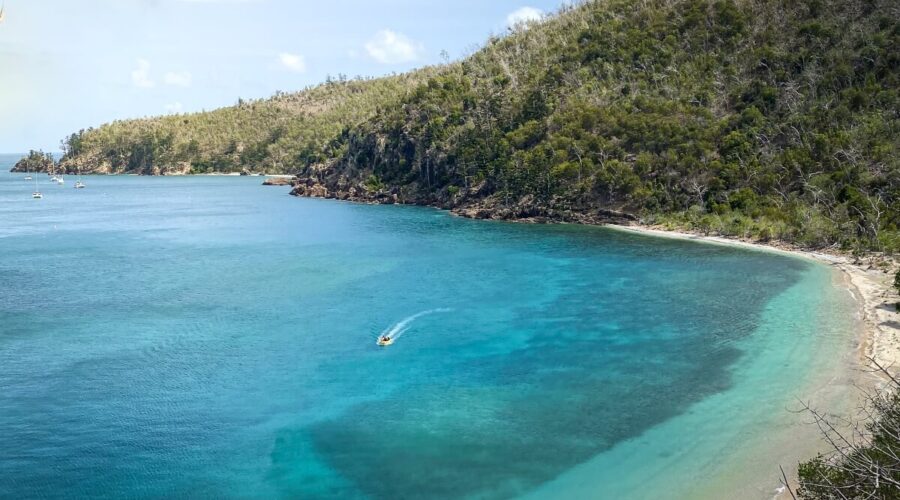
x=399, y=328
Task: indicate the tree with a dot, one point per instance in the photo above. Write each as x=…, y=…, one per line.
x=864, y=461
x=36, y=161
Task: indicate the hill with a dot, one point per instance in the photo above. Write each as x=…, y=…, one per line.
x=271, y=135
x=760, y=118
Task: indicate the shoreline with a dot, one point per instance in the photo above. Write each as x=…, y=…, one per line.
x=871, y=288
x=875, y=334
x=879, y=338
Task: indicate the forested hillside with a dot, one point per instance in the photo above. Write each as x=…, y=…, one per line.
x=272, y=135
x=759, y=118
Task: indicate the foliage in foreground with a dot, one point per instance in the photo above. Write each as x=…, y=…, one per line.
x=766, y=119
x=864, y=462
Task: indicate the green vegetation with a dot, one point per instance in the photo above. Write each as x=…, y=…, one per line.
x=35, y=161
x=760, y=119
x=763, y=119
x=274, y=135
x=864, y=462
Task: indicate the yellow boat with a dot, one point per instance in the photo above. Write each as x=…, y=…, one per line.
x=385, y=341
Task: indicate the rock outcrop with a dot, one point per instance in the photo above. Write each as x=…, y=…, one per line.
x=35, y=161
x=279, y=181
x=473, y=203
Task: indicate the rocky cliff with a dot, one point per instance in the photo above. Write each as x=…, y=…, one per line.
x=472, y=203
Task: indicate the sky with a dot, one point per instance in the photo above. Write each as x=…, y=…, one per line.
x=69, y=64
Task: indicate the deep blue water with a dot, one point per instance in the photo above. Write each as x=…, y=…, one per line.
x=209, y=337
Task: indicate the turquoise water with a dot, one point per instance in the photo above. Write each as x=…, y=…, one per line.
x=209, y=337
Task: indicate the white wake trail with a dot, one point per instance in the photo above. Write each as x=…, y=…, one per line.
x=398, y=329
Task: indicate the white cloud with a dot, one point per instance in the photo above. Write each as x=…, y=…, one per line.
x=173, y=108
x=525, y=15
x=179, y=79
x=389, y=47
x=292, y=62
x=140, y=76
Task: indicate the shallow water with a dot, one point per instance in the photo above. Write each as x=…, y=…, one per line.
x=211, y=337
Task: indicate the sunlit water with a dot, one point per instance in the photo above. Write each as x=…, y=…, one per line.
x=209, y=337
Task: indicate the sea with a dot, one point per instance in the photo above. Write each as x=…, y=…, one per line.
x=209, y=337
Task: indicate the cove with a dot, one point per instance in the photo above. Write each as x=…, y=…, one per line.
x=211, y=337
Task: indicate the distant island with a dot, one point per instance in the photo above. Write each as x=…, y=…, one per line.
x=35, y=161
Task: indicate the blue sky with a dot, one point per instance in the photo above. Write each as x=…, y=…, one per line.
x=69, y=64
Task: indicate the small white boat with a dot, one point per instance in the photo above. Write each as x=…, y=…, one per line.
x=60, y=181
x=54, y=179
x=28, y=178
x=37, y=195
x=79, y=185
x=385, y=341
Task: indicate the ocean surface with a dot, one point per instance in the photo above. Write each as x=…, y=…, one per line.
x=209, y=337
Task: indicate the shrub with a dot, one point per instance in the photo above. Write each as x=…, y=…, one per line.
x=864, y=461
x=373, y=183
